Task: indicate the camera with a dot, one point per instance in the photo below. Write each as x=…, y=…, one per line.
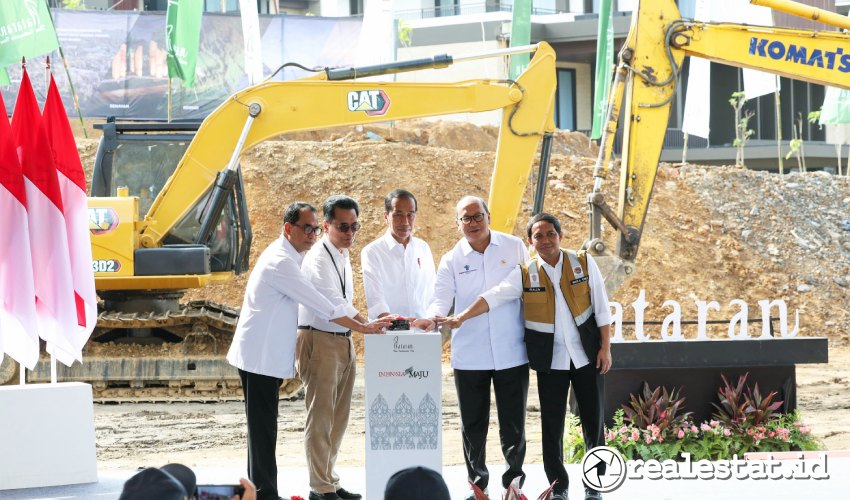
x=218, y=491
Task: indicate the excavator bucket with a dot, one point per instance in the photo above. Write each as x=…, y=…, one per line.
x=614, y=271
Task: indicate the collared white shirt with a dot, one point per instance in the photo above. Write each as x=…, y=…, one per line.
x=328, y=268
x=398, y=279
x=567, y=346
x=493, y=340
x=264, y=341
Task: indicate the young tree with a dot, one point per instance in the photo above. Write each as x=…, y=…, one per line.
x=742, y=133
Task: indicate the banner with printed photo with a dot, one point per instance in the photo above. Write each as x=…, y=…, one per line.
x=117, y=60
x=403, y=405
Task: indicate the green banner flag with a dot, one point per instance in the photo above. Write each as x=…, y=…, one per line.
x=836, y=107
x=26, y=30
x=182, y=37
x=604, y=68
x=520, y=35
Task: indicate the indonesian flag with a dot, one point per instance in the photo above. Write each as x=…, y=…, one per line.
x=72, y=184
x=51, y=263
x=18, y=334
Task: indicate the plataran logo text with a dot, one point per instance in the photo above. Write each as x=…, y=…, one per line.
x=373, y=102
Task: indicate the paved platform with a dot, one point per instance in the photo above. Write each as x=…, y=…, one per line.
x=293, y=481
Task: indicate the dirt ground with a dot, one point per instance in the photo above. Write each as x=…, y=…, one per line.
x=214, y=434
x=716, y=233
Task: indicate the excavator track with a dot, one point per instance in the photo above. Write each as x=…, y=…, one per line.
x=164, y=356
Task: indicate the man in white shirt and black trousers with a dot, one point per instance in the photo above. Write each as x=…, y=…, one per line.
x=398, y=268
x=326, y=358
x=263, y=347
x=487, y=348
x=567, y=334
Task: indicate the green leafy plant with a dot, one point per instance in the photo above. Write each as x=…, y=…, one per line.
x=742, y=120
x=745, y=421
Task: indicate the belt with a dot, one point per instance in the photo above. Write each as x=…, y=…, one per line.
x=346, y=333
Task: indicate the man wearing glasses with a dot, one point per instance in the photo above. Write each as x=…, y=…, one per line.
x=326, y=361
x=488, y=348
x=398, y=268
x=263, y=347
x=567, y=335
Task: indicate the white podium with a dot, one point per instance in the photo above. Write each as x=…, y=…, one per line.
x=403, y=405
x=46, y=435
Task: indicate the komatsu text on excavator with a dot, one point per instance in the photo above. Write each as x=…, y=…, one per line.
x=647, y=75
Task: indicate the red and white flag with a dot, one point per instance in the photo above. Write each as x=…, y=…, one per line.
x=51, y=263
x=18, y=333
x=72, y=185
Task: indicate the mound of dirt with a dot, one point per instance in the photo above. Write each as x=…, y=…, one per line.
x=711, y=233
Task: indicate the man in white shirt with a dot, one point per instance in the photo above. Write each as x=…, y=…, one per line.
x=326, y=359
x=489, y=347
x=567, y=333
x=398, y=268
x=263, y=347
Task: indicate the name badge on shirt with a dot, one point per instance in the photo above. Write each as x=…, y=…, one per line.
x=534, y=289
x=579, y=280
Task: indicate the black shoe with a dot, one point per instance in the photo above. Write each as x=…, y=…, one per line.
x=590, y=494
x=323, y=496
x=560, y=495
x=347, y=495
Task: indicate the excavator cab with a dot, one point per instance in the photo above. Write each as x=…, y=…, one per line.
x=135, y=160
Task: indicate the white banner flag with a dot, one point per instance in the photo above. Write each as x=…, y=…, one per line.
x=251, y=41
x=698, y=93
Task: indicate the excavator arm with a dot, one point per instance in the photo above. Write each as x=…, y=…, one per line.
x=646, y=77
x=316, y=103
x=208, y=171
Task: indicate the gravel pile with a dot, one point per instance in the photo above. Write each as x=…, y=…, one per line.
x=798, y=221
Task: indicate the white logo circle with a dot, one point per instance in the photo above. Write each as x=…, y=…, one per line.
x=603, y=469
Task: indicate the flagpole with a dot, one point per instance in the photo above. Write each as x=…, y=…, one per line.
x=68, y=74
x=169, y=99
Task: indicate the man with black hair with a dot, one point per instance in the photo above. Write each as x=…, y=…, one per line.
x=398, y=268
x=263, y=347
x=326, y=358
x=567, y=337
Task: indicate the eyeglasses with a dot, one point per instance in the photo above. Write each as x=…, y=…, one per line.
x=345, y=227
x=308, y=229
x=466, y=219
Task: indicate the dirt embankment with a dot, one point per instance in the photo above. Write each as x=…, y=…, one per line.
x=712, y=233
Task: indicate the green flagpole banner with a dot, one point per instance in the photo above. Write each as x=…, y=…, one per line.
x=182, y=37
x=836, y=107
x=520, y=35
x=604, y=67
x=26, y=30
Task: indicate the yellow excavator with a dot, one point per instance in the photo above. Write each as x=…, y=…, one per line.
x=646, y=76
x=195, y=229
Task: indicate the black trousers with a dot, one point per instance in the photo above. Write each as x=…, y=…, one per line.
x=588, y=386
x=261, y=410
x=473, y=394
